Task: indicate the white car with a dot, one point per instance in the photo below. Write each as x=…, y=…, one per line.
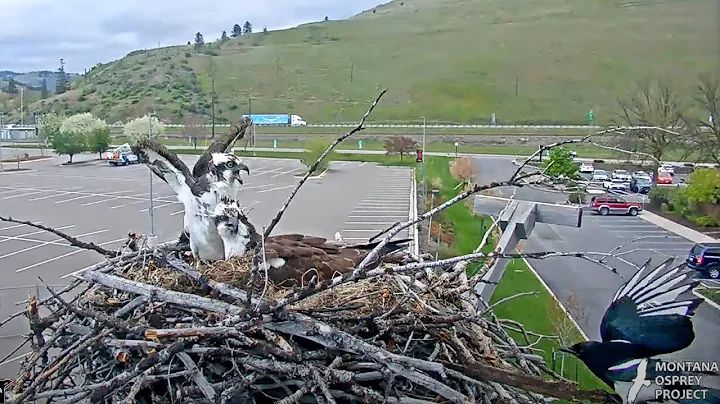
x=586, y=168
x=600, y=175
x=616, y=185
x=667, y=168
x=621, y=175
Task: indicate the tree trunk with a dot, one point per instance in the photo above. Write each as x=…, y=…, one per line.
x=71, y=156
x=401, y=154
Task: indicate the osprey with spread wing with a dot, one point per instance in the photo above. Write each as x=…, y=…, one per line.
x=216, y=174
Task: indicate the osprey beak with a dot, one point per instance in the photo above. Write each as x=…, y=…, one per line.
x=243, y=167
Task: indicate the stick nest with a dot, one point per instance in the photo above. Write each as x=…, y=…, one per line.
x=148, y=327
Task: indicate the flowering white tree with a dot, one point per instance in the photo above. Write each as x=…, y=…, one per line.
x=79, y=133
x=139, y=128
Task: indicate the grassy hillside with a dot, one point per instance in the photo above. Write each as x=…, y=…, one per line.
x=448, y=60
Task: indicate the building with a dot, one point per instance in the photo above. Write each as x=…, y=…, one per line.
x=18, y=133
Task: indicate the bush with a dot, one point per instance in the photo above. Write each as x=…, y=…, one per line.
x=598, y=161
x=660, y=195
x=315, y=149
x=703, y=221
x=576, y=197
x=680, y=203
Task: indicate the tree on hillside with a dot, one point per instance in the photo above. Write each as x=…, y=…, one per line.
x=326, y=18
x=12, y=86
x=43, y=89
x=265, y=30
x=193, y=128
x=652, y=105
x=199, y=40
x=247, y=28
x=224, y=37
x=139, y=128
x=62, y=84
x=706, y=130
x=236, y=31
x=400, y=145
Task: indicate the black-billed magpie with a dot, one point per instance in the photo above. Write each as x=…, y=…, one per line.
x=646, y=319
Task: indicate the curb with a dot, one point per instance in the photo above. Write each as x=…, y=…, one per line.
x=559, y=303
x=18, y=172
x=708, y=301
x=680, y=230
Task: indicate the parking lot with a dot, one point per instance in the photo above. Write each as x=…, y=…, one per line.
x=101, y=204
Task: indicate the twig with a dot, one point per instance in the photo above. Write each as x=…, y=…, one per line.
x=72, y=240
x=312, y=168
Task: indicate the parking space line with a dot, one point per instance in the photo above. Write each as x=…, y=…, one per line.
x=75, y=199
x=15, y=226
x=59, y=193
x=377, y=216
x=274, y=170
x=20, y=236
x=161, y=206
x=380, y=223
x=285, y=172
x=380, y=210
x=276, y=189
x=361, y=230
x=54, y=242
x=177, y=213
x=21, y=195
x=47, y=261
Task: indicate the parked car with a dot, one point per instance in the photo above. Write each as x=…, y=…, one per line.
x=705, y=259
x=641, y=185
x=667, y=168
x=600, y=175
x=586, y=168
x=641, y=174
x=607, y=204
x=621, y=175
x=616, y=184
x=664, y=178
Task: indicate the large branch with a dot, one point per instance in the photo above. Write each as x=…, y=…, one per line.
x=72, y=240
x=360, y=126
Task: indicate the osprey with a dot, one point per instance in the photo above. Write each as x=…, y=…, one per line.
x=644, y=319
x=216, y=172
x=294, y=258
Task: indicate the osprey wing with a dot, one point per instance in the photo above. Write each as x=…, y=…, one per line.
x=164, y=163
x=222, y=144
x=646, y=310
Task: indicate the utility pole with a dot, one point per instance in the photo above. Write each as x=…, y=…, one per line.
x=22, y=101
x=249, y=105
x=37, y=132
x=152, y=238
x=212, y=101
x=422, y=164
x=2, y=115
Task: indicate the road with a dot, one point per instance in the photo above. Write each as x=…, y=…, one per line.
x=99, y=203
x=593, y=285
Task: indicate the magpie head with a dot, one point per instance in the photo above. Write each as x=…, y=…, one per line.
x=227, y=167
x=583, y=350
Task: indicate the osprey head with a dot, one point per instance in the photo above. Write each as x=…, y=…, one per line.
x=233, y=227
x=227, y=167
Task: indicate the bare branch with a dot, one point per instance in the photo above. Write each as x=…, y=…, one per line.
x=72, y=240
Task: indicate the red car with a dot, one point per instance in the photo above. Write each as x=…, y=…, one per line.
x=664, y=178
x=606, y=204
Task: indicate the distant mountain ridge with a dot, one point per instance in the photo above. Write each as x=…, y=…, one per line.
x=33, y=80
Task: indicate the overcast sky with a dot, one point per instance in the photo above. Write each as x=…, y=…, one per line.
x=35, y=34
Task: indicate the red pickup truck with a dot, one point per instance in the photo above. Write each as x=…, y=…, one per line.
x=607, y=204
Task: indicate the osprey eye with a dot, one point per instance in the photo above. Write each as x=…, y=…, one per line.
x=230, y=164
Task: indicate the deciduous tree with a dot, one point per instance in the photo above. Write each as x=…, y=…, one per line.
x=139, y=128
x=49, y=126
x=76, y=133
x=653, y=106
x=706, y=129
x=400, y=145
x=560, y=164
x=193, y=128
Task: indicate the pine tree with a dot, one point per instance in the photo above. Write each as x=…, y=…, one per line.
x=199, y=40
x=43, y=89
x=224, y=37
x=62, y=84
x=247, y=28
x=12, y=86
x=236, y=31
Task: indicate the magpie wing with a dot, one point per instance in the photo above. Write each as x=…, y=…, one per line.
x=646, y=310
x=222, y=144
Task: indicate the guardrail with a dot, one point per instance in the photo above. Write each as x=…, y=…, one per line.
x=429, y=126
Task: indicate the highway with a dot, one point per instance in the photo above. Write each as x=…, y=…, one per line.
x=593, y=285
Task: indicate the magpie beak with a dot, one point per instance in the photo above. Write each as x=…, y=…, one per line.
x=567, y=349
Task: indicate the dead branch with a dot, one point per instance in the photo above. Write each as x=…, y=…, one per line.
x=72, y=240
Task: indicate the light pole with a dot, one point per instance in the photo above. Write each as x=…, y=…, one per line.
x=152, y=238
x=2, y=115
x=456, y=146
x=422, y=163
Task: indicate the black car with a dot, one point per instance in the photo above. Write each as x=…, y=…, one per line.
x=705, y=259
x=640, y=185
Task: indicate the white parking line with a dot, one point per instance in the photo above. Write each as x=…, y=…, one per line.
x=361, y=231
x=59, y=193
x=285, y=172
x=16, y=226
x=160, y=206
x=378, y=217
x=373, y=223
x=20, y=236
x=75, y=199
x=178, y=212
x=21, y=195
x=274, y=170
x=380, y=210
x=276, y=189
x=47, y=261
x=54, y=242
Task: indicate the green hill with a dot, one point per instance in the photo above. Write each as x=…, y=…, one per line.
x=448, y=60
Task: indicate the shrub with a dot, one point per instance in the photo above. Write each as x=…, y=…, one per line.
x=680, y=203
x=661, y=195
x=576, y=197
x=703, y=221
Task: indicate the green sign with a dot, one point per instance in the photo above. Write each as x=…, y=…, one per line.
x=359, y=144
x=591, y=116
x=275, y=144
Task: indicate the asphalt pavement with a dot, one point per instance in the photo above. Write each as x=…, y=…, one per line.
x=99, y=203
x=592, y=284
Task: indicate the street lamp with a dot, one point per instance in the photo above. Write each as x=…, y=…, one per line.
x=422, y=163
x=456, y=146
x=2, y=115
x=152, y=238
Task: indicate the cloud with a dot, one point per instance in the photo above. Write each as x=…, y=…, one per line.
x=36, y=34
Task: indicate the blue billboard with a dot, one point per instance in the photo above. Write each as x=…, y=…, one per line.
x=270, y=119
